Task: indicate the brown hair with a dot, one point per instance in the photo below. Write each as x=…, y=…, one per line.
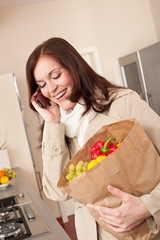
x=87, y=83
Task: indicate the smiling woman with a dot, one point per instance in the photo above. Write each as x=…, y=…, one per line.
x=81, y=101
x=54, y=81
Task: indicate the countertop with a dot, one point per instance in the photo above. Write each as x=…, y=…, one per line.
x=21, y=184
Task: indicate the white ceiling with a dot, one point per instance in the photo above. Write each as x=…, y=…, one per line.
x=13, y=3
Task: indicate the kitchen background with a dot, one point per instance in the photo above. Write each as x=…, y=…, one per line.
x=114, y=28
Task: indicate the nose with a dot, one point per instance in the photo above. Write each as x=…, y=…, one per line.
x=51, y=87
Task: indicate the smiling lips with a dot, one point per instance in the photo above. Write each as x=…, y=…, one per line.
x=61, y=94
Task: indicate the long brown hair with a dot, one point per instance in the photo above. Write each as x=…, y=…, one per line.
x=87, y=83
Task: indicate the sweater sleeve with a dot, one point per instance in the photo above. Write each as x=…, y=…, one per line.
x=55, y=156
x=130, y=105
x=152, y=202
x=150, y=121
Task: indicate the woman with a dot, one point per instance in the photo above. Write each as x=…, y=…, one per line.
x=80, y=102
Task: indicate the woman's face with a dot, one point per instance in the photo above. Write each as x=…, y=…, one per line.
x=54, y=81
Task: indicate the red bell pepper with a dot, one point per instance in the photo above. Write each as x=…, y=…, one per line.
x=103, y=148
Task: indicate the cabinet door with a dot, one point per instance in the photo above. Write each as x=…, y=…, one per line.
x=13, y=127
x=132, y=74
x=52, y=205
x=150, y=60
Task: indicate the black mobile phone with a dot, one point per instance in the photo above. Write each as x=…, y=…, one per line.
x=42, y=100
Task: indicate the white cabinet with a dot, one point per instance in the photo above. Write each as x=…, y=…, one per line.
x=12, y=127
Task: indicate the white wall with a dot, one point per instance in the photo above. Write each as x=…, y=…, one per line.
x=155, y=8
x=116, y=27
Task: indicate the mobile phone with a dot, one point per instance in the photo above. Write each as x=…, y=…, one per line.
x=42, y=100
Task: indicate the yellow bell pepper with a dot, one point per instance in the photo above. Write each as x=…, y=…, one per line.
x=118, y=144
x=93, y=162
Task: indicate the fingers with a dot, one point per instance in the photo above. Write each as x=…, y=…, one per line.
x=33, y=101
x=103, y=211
x=33, y=97
x=114, y=222
x=96, y=207
x=126, y=216
x=121, y=228
x=117, y=229
x=117, y=192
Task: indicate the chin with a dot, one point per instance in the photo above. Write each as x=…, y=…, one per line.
x=68, y=106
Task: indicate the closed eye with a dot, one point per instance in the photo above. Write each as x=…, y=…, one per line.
x=42, y=85
x=56, y=76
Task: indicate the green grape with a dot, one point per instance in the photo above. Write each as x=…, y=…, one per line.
x=79, y=165
x=84, y=168
x=72, y=167
x=10, y=173
x=74, y=175
x=75, y=171
x=78, y=173
x=71, y=172
x=69, y=176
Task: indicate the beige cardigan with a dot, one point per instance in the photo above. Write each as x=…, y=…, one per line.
x=56, y=154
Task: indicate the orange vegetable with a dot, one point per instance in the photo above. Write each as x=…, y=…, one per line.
x=2, y=173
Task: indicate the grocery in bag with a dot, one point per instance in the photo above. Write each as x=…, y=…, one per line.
x=133, y=167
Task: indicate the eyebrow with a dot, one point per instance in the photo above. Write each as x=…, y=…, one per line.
x=50, y=73
x=53, y=71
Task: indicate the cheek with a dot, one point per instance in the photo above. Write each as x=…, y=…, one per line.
x=68, y=80
x=70, y=83
x=45, y=92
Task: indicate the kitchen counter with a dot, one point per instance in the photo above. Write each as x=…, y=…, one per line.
x=21, y=184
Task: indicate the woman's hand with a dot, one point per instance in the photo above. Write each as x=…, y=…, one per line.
x=50, y=113
x=127, y=216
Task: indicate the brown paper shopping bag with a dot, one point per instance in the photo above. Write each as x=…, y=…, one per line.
x=134, y=168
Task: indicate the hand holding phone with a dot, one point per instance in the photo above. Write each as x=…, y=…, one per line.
x=42, y=100
x=41, y=103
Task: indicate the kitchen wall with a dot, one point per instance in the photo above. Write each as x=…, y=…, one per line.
x=115, y=27
x=155, y=8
